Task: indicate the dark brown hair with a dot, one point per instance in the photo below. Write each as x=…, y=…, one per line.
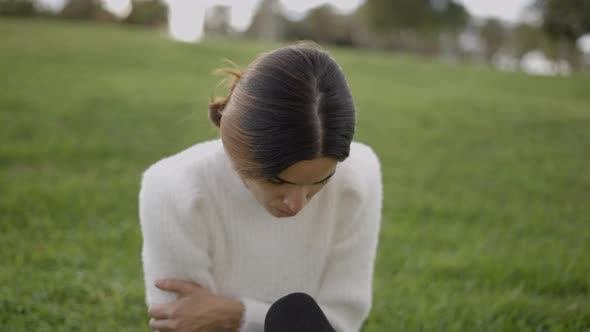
x=289, y=105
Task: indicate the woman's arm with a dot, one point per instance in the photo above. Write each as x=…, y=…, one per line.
x=346, y=289
x=174, y=229
x=175, y=246
x=196, y=310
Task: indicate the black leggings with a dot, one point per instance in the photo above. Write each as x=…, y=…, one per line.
x=297, y=312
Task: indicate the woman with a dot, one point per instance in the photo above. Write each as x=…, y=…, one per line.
x=274, y=226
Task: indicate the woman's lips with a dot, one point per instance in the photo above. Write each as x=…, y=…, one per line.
x=286, y=214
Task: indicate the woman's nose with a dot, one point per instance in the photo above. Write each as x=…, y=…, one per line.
x=296, y=199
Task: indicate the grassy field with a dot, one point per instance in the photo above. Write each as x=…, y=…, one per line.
x=486, y=223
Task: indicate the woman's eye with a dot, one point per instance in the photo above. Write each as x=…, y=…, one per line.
x=275, y=181
x=323, y=182
x=279, y=182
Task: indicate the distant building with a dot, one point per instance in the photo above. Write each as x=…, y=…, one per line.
x=470, y=43
x=267, y=23
x=217, y=22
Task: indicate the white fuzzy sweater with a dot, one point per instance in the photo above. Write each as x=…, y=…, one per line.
x=200, y=223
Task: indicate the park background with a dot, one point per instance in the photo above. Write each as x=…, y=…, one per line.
x=482, y=126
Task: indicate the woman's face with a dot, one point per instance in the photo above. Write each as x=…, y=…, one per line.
x=288, y=193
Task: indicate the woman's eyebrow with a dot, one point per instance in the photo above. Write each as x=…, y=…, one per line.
x=326, y=179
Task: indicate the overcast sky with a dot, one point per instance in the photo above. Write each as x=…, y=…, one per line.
x=186, y=16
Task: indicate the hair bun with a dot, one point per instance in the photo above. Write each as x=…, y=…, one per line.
x=216, y=109
x=217, y=105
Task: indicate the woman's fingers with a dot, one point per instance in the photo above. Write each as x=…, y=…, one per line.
x=181, y=287
x=159, y=311
x=163, y=325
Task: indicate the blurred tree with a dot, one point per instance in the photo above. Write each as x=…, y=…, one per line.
x=415, y=24
x=354, y=32
x=553, y=49
x=295, y=29
x=566, y=21
x=17, y=8
x=359, y=28
x=451, y=16
x=494, y=36
x=388, y=15
x=527, y=37
x=400, y=21
x=81, y=9
x=322, y=23
x=147, y=13
x=565, y=18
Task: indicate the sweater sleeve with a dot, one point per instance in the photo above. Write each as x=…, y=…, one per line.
x=346, y=289
x=254, y=315
x=175, y=241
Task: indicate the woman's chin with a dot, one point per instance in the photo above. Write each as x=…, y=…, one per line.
x=280, y=214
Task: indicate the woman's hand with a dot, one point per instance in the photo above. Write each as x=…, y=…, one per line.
x=195, y=310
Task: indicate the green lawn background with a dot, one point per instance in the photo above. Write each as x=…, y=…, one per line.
x=486, y=221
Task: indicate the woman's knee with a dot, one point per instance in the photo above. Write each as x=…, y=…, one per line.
x=296, y=312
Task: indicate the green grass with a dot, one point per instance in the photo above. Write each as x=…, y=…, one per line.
x=486, y=223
